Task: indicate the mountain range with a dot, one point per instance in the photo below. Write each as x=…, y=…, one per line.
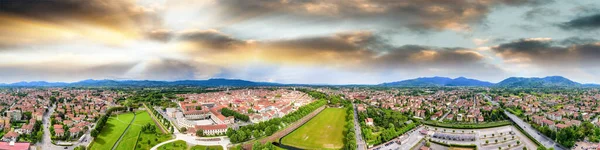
x=438, y=81
x=550, y=81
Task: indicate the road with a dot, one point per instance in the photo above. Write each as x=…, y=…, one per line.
x=46, y=143
x=192, y=140
x=360, y=142
x=547, y=142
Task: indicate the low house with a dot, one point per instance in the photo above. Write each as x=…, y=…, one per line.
x=10, y=136
x=75, y=131
x=14, y=146
x=369, y=121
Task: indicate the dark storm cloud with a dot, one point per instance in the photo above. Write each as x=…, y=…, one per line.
x=582, y=23
x=569, y=52
x=211, y=39
x=412, y=14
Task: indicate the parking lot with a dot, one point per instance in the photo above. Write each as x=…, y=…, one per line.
x=507, y=137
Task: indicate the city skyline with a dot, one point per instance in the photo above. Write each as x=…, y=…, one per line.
x=312, y=42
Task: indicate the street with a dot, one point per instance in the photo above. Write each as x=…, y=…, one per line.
x=46, y=142
x=547, y=142
x=360, y=142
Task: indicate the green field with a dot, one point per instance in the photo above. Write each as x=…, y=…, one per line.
x=177, y=145
x=147, y=140
x=202, y=147
x=131, y=136
x=324, y=131
x=115, y=126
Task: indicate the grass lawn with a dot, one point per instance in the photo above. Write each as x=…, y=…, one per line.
x=324, y=131
x=148, y=140
x=202, y=147
x=177, y=145
x=115, y=126
x=130, y=138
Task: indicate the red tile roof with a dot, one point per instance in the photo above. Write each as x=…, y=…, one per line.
x=15, y=146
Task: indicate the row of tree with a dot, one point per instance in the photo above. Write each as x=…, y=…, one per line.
x=570, y=135
x=162, y=120
x=390, y=123
x=102, y=121
x=267, y=128
x=228, y=112
x=350, y=139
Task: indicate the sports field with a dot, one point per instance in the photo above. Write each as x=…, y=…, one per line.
x=113, y=129
x=324, y=131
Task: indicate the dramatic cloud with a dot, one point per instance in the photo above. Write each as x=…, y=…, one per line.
x=33, y=21
x=545, y=52
x=583, y=23
x=172, y=69
x=351, y=51
x=413, y=14
x=211, y=39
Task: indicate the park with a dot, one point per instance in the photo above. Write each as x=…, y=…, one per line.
x=324, y=131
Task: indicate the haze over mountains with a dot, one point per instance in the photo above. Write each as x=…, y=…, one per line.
x=550, y=81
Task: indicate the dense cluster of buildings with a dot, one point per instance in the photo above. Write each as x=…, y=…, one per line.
x=458, y=105
x=77, y=110
x=203, y=111
x=557, y=111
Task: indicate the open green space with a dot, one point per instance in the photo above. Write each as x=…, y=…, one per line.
x=131, y=136
x=324, y=131
x=148, y=140
x=176, y=145
x=202, y=147
x=115, y=126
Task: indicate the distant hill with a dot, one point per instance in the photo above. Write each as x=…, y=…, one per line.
x=438, y=81
x=36, y=83
x=90, y=82
x=550, y=81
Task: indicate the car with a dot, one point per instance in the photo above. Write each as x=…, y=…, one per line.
x=66, y=147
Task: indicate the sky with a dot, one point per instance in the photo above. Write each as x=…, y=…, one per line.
x=298, y=41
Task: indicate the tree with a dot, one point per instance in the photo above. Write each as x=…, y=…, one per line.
x=200, y=133
x=94, y=133
x=183, y=130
